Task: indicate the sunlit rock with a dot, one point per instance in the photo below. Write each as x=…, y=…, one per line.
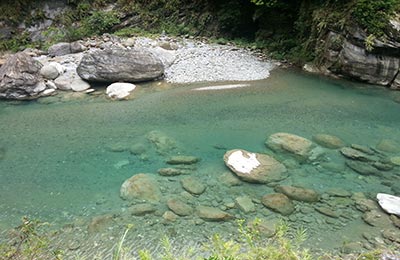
x=141, y=186
x=278, y=202
x=389, y=203
x=254, y=167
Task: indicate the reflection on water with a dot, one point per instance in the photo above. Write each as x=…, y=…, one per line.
x=63, y=159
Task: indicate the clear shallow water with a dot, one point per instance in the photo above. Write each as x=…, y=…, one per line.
x=59, y=165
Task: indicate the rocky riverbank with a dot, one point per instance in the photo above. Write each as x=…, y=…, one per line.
x=78, y=66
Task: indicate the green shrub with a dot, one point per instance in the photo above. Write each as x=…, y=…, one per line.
x=373, y=15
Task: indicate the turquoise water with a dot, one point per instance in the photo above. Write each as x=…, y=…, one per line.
x=59, y=165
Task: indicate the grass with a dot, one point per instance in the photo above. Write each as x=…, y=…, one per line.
x=28, y=241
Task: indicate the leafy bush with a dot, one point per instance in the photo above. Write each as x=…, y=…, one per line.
x=373, y=15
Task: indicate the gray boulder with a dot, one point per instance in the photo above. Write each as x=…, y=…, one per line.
x=20, y=77
x=60, y=49
x=120, y=65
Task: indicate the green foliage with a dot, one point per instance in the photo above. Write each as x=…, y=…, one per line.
x=373, y=15
x=99, y=22
x=16, y=43
x=28, y=242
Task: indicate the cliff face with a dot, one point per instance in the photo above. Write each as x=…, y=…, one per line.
x=351, y=54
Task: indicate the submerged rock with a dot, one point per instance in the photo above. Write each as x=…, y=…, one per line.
x=362, y=168
x=172, y=171
x=278, y=202
x=387, y=145
x=182, y=159
x=212, y=214
x=142, y=209
x=20, y=77
x=290, y=143
x=141, y=186
x=179, y=207
x=163, y=143
x=245, y=204
x=100, y=223
x=254, y=167
x=297, y=193
x=395, y=160
x=389, y=203
x=328, y=141
x=120, y=90
x=193, y=185
x=377, y=219
x=120, y=65
x=229, y=179
x=356, y=154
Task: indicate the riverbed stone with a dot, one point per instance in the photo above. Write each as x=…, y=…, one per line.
x=229, y=179
x=141, y=186
x=377, y=218
x=52, y=70
x=328, y=141
x=290, y=143
x=182, y=159
x=59, y=49
x=162, y=142
x=193, y=185
x=362, y=168
x=389, y=203
x=392, y=235
x=264, y=227
x=254, y=167
x=100, y=223
x=120, y=65
x=298, y=193
x=120, y=90
x=245, y=204
x=170, y=216
x=212, y=214
x=327, y=211
x=142, y=209
x=172, y=171
x=278, y=202
x=20, y=77
x=355, y=154
x=395, y=160
x=338, y=192
x=179, y=207
x=388, y=145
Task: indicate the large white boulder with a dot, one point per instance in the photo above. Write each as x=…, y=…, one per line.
x=120, y=90
x=389, y=203
x=254, y=167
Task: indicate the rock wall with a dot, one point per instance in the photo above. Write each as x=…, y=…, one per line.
x=345, y=54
